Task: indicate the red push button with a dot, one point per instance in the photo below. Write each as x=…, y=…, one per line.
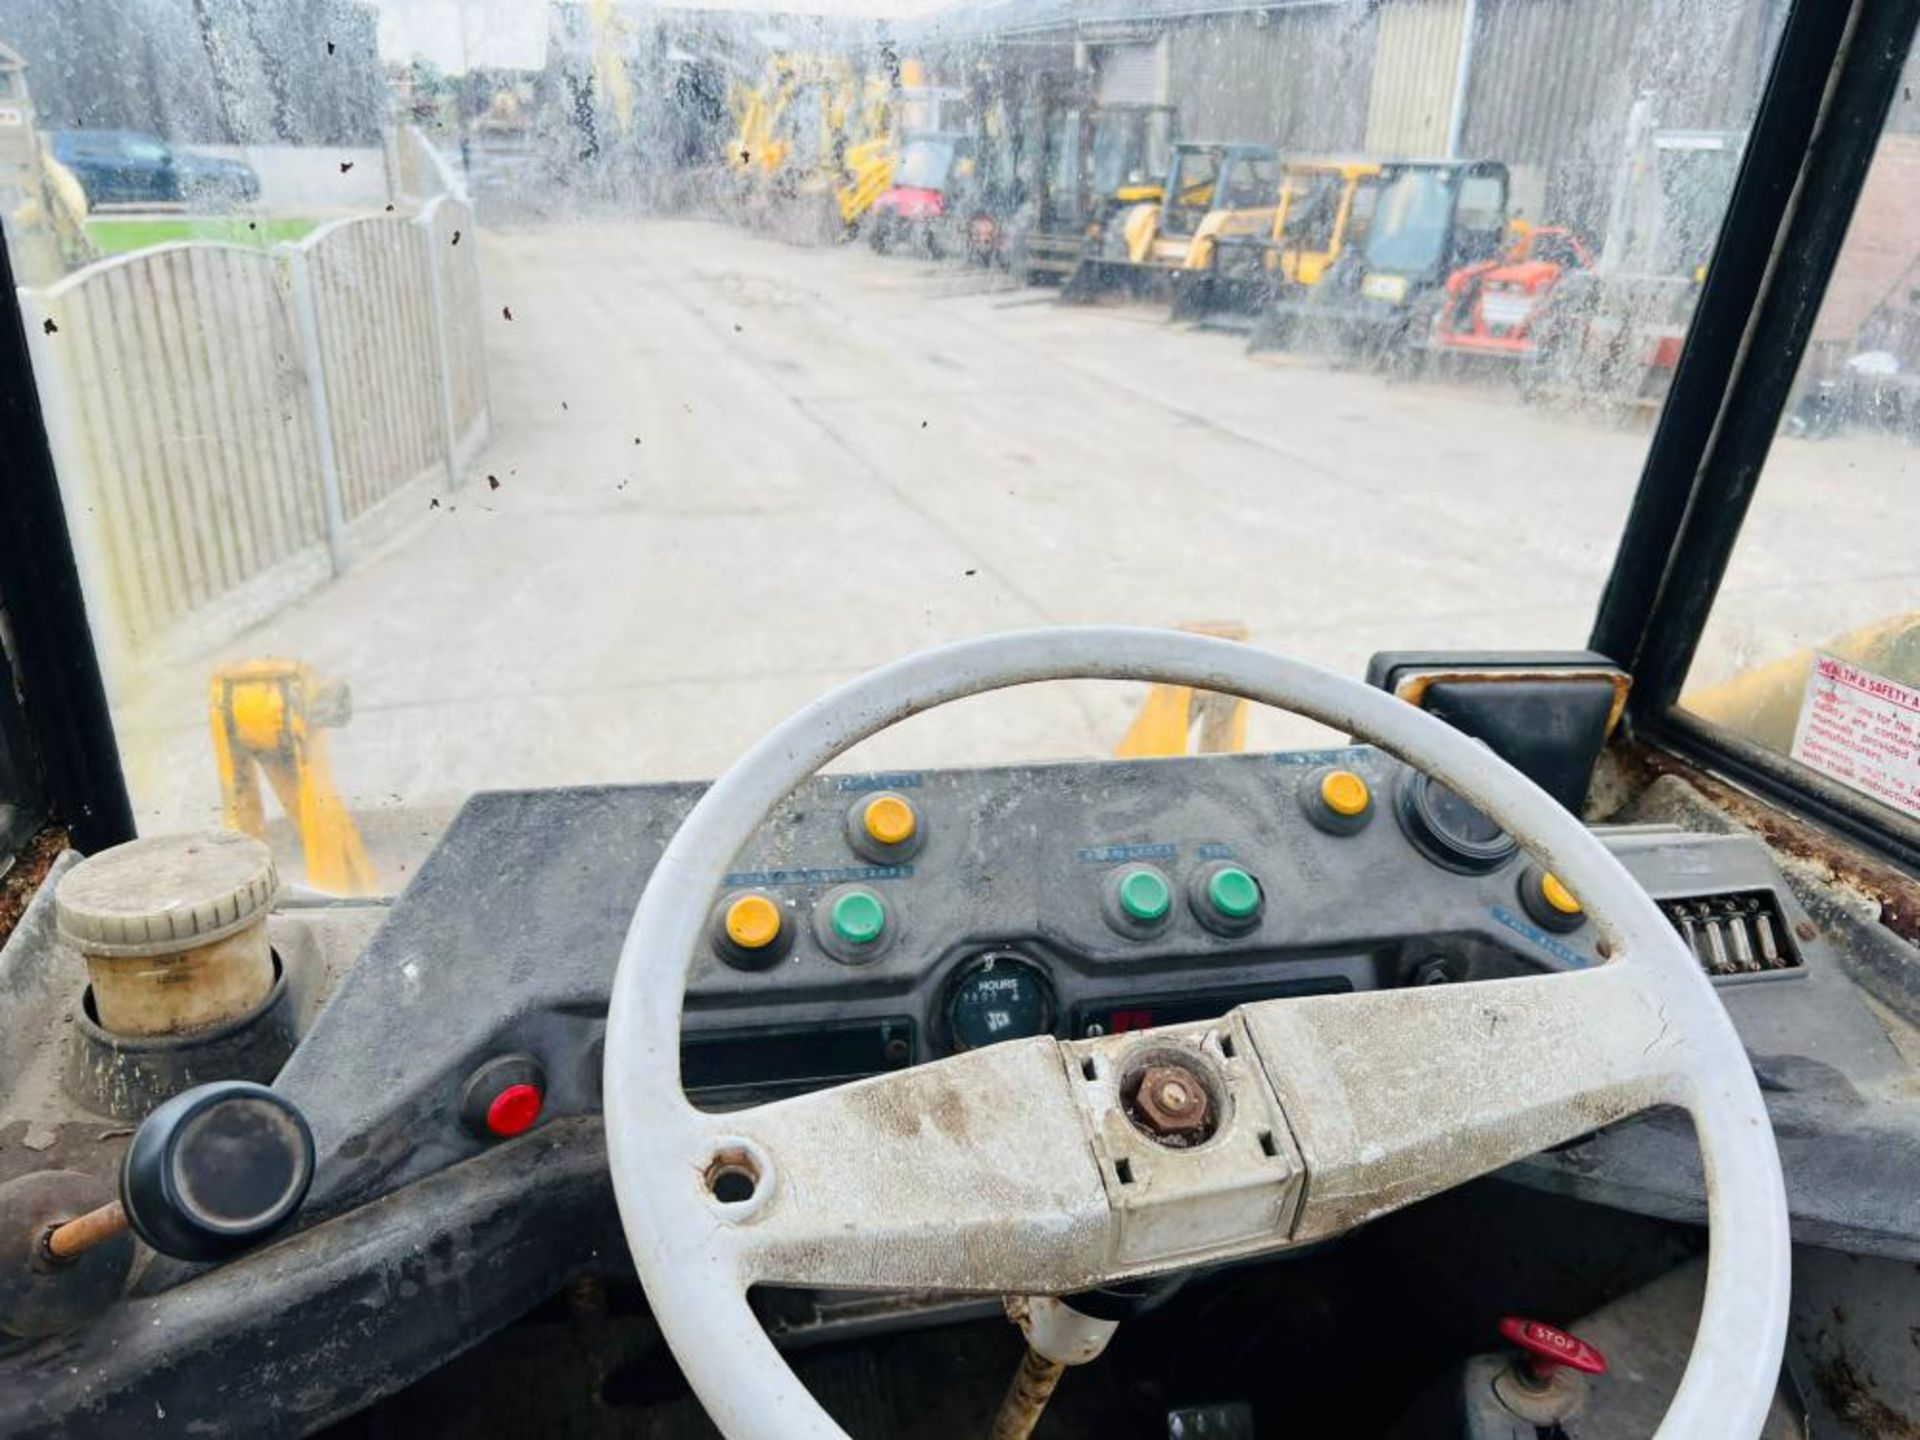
x=513, y=1110
x=503, y=1097
x=1546, y=1348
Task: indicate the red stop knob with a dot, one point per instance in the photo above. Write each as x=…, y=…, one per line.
x=1546, y=1348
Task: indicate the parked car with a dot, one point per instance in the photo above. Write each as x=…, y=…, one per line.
x=214, y=182
x=131, y=167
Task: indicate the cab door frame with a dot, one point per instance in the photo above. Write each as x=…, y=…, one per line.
x=1835, y=75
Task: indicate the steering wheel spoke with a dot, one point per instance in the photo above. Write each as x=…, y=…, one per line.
x=1035, y=1167
x=971, y=1174
x=1396, y=1095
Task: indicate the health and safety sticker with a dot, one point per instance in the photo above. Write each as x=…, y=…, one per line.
x=1863, y=730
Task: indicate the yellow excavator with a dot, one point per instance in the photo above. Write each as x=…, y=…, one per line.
x=819, y=139
x=1324, y=206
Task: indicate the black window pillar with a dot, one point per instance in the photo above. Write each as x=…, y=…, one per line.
x=58, y=759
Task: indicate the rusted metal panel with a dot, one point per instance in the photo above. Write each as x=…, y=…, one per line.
x=1416, y=65
x=1789, y=837
x=1296, y=78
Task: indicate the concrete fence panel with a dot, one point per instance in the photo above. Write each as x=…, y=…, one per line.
x=177, y=400
x=418, y=169
x=232, y=425
x=371, y=295
x=449, y=233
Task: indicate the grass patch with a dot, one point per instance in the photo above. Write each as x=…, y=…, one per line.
x=113, y=236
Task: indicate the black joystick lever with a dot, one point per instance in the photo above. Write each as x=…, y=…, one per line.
x=211, y=1172
x=216, y=1169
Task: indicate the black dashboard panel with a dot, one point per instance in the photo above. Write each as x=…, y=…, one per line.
x=1002, y=913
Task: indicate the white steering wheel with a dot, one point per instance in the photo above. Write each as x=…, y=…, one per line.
x=1015, y=1170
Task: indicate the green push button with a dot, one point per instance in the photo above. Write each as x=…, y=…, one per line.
x=858, y=917
x=1233, y=892
x=1145, y=895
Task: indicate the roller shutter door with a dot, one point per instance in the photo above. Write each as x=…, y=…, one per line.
x=1128, y=74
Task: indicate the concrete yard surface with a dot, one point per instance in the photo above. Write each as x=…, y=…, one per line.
x=728, y=472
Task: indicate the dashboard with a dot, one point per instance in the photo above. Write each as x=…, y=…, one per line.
x=882, y=920
x=874, y=922
x=899, y=917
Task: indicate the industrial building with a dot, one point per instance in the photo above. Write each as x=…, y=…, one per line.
x=1547, y=86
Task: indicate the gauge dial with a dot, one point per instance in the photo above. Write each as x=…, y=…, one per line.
x=1451, y=831
x=996, y=996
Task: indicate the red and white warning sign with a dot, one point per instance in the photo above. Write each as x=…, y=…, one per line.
x=1863, y=730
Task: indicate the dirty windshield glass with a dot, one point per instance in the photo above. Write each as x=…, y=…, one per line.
x=1830, y=683
x=462, y=394
x=1415, y=214
x=1131, y=146
x=925, y=164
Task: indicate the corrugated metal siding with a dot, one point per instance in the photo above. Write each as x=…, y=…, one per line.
x=1293, y=78
x=1413, y=77
x=1553, y=82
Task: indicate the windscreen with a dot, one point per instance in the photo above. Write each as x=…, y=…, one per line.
x=1131, y=146
x=1313, y=210
x=1826, y=689
x=519, y=393
x=1192, y=186
x=925, y=164
x=1252, y=181
x=1412, y=223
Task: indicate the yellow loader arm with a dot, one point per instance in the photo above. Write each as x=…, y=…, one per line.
x=270, y=717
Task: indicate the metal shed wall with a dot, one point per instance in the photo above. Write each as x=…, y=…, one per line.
x=1297, y=78
x=1414, y=75
x=1552, y=83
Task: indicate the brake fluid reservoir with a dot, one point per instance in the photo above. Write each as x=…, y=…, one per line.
x=173, y=929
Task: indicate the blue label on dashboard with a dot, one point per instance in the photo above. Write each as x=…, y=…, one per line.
x=1322, y=757
x=1526, y=929
x=1214, y=852
x=899, y=780
x=1114, y=854
x=838, y=875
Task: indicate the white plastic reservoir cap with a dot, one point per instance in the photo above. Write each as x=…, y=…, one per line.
x=166, y=893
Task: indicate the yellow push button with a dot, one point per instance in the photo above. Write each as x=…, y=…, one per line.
x=753, y=922
x=1548, y=902
x=890, y=820
x=1337, y=800
x=1345, y=793
x=1557, y=895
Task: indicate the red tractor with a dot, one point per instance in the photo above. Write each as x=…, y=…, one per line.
x=1495, y=307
